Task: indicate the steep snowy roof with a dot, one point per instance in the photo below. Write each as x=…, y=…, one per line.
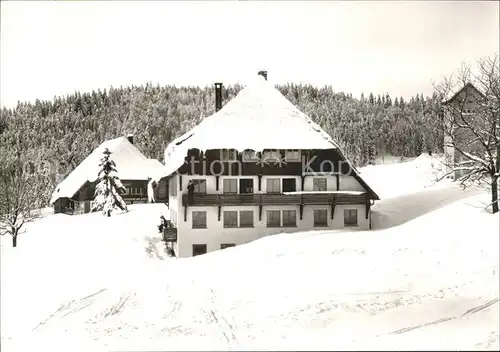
x=258, y=118
x=131, y=164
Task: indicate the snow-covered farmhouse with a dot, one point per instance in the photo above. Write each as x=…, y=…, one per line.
x=460, y=106
x=258, y=166
x=76, y=192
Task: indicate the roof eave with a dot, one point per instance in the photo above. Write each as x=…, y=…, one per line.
x=446, y=102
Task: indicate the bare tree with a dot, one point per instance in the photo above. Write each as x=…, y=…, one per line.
x=471, y=125
x=21, y=193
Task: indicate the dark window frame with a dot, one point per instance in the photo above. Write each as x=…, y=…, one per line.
x=225, y=216
x=244, y=224
x=288, y=179
x=229, y=180
x=316, y=187
x=286, y=219
x=198, y=226
x=276, y=180
x=228, y=155
x=197, y=182
x=242, y=189
x=319, y=221
x=348, y=217
x=287, y=157
x=202, y=246
x=278, y=212
x=252, y=158
x=227, y=245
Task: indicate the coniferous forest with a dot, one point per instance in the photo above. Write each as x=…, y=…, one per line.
x=59, y=134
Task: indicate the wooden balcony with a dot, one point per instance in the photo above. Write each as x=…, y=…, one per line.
x=273, y=199
x=260, y=200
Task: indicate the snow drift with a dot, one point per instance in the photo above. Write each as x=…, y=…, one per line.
x=431, y=282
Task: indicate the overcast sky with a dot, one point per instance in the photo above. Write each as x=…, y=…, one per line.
x=52, y=48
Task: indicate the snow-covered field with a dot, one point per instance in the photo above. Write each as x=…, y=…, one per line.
x=93, y=283
x=395, y=179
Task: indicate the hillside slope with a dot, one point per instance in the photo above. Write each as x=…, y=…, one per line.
x=94, y=283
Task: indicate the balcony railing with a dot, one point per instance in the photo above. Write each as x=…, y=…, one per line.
x=273, y=199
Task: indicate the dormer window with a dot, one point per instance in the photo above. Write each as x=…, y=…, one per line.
x=292, y=155
x=250, y=155
x=227, y=154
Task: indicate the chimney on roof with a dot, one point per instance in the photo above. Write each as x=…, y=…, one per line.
x=130, y=138
x=218, y=96
x=263, y=74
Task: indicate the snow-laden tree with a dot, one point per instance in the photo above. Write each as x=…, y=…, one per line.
x=107, y=193
x=471, y=124
x=22, y=183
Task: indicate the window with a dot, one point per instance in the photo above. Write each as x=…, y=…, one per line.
x=273, y=218
x=350, y=217
x=271, y=155
x=227, y=154
x=134, y=191
x=246, y=185
x=226, y=245
x=250, y=155
x=229, y=185
x=320, y=218
x=231, y=218
x=319, y=184
x=289, y=185
x=173, y=186
x=246, y=218
x=173, y=217
x=199, y=219
x=200, y=186
x=292, y=155
x=289, y=218
x=273, y=185
x=199, y=249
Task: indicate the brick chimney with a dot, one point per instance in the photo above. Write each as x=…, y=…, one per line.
x=263, y=74
x=130, y=138
x=218, y=96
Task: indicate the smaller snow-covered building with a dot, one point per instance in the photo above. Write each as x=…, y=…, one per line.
x=258, y=166
x=76, y=192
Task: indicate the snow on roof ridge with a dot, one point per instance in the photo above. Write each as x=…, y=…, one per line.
x=259, y=105
x=127, y=158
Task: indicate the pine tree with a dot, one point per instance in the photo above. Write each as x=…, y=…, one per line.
x=107, y=196
x=388, y=102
